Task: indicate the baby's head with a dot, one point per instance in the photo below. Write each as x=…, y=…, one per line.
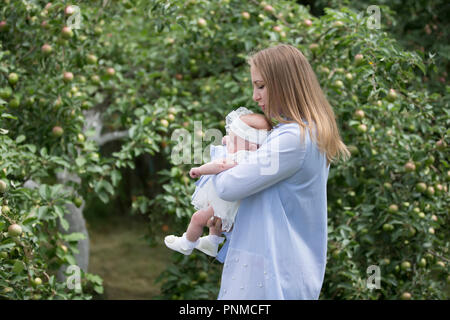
x=236, y=143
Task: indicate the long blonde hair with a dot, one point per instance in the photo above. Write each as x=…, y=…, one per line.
x=294, y=92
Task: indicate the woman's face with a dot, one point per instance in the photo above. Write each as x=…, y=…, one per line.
x=259, y=88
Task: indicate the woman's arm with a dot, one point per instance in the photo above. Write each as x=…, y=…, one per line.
x=212, y=167
x=277, y=159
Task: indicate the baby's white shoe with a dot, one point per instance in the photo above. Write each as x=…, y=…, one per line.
x=209, y=244
x=180, y=244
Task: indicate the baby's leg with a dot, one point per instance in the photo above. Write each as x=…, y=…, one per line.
x=198, y=221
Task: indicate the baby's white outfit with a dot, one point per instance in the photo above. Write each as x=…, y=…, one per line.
x=205, y=194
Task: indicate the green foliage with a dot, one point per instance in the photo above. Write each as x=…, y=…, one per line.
x=171, y=69
x=191, y=277
x=40, y=250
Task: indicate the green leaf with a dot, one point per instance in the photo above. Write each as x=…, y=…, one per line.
x=115, y=177
x=7, y=245
x=31, y=147
x=103, y=196
x=20, y=139
x=80, y=161
x=45, y=192
x=42, y=212
x=64, y=223
x=18, y=266
x=59, y=211
x=106, y=185
x=98, y=289
x=76, y=236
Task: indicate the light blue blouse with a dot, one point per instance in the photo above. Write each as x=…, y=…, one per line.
x=277, y=248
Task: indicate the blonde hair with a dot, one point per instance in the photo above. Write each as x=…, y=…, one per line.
x=294, y=92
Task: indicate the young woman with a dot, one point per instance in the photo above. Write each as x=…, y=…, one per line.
x=277, y=247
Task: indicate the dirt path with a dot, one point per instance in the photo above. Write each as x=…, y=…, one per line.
x=121, y=256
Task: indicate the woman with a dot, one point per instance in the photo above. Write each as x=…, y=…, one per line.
x=277, y=248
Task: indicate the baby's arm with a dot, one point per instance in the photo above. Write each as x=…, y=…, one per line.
x=212, y=167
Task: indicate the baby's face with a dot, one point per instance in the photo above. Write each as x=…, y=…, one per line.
x=236, y=143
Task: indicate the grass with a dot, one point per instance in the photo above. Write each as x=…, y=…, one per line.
x=123, y=258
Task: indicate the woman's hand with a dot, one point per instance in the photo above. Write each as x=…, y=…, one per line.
x=195, y=172
x=225, y=140
x=216, y=223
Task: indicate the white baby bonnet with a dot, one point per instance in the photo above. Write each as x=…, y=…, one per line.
x=243, y=130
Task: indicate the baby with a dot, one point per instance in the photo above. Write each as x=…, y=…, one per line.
x=246, y=131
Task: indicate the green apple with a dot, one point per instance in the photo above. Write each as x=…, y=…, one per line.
x=98, y=31
x=430, y=160
x=393, y=208
x=387, y=186
x=3, y=25
x=14, y=230
x=245, y=15
x=91, y=59
x=202, y=275
x=430, y=191
x=422, y=263
x=269, y=9
x=339, y=84
x=405, y=266
x=37, y=281
x=421, y=187
x=66, y=32
x=406, y=296
x=5, y=209
x=46, y=49
x=13, y=78
x=410, y=166
x=359, y=114
x=359, y=58
x=57, y=131
x=201, y=22
x=277, y=29
x=14, y=102
x=67, y=76
x=313, y=47
x=362, y=128
x=78, y=202
x=110, y=72
x=69, y=10
x=164, y=123
x=353, y=149
x=392, y=95
x=5, y=93
x=95, y=79
x=3, y=186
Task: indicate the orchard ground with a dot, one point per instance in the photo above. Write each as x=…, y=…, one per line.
x=123, y=258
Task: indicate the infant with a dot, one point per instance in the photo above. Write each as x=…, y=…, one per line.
x=246, y=131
